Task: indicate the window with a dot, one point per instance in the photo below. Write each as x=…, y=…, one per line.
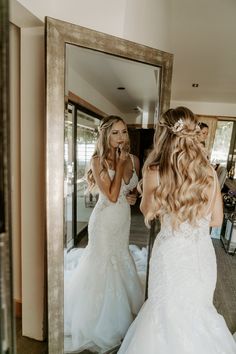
x=221, y=146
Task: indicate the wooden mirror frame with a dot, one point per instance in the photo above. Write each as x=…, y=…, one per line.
x=58, y=34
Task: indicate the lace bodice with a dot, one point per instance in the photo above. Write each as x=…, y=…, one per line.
x=124, y=189
x=185, y=230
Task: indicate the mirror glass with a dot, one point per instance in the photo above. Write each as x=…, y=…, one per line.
x=104, y=270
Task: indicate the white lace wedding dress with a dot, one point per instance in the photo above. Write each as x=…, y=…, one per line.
x=179, y=316
x=104, y=293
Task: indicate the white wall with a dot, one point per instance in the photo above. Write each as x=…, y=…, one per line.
x=103, y=15
x=32, y=180
x=208, y=108
x=147, y=22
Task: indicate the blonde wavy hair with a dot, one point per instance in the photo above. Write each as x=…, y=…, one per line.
x=102, y=148
x=183, y=168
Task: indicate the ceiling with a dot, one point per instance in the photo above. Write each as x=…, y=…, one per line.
x=106, y=73
x=203, y=41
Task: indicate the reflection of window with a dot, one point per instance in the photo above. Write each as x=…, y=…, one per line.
x=85, y=152
x=86, y=141
x=220, y=151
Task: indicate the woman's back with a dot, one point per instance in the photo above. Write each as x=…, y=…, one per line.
x=180, y=188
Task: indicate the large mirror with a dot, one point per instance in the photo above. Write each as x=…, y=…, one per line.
x=92, y=297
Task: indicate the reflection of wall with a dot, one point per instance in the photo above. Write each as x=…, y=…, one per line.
x=84, y=90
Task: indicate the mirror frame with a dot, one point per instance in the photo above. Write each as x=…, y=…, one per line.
x=7, y=323
x=58, y=34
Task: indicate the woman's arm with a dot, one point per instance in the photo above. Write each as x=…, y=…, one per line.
x=132, y=196
x=217, y=211
x=148, y=203
x=136, y=164
x=110, y=188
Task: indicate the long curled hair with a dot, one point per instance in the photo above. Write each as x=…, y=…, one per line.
x=182, y=167
x=102, y=148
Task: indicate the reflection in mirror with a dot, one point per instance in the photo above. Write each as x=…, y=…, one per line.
x=105, y=253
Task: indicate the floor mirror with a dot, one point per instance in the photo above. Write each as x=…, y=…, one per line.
x=90, y=75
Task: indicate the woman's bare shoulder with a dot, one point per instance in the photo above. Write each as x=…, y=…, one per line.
x=135, y=161
x=152, y=170
x=151, y=175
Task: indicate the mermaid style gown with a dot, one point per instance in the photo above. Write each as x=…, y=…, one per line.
x=179, y=316
x=104, y=293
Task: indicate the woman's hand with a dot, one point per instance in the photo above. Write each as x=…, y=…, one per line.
x=122, y=153
x=131, y=198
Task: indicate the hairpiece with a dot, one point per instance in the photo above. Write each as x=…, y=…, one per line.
x=178, y=126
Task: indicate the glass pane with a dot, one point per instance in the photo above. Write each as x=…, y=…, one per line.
x=220, y=151
x=85, y=147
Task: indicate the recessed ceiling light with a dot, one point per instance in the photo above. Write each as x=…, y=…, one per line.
x=195, y=85
x=120, y=88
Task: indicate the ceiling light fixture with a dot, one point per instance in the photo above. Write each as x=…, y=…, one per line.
x=195, y=85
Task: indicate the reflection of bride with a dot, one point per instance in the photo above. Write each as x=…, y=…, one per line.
x=104, y=292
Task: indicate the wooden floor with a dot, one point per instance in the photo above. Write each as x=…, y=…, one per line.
x=139, y=234
x=225, y=294
x=224, y=298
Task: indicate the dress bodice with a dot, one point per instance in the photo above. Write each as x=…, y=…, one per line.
x=125, y=187
x=185, y=230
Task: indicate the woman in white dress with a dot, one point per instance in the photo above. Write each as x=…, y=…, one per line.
x=105, y=294
x=181, y=188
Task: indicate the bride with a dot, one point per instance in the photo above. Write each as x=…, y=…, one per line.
x=104, y=293
x=181, y=188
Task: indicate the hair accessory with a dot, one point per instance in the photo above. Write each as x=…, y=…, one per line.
x=178, y=126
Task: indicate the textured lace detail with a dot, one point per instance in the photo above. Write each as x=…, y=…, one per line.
x=179, y=316
x=185, y=230
x=124, y=190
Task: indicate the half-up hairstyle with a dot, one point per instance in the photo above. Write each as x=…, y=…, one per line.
x=182, y=168
x=103, y=146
